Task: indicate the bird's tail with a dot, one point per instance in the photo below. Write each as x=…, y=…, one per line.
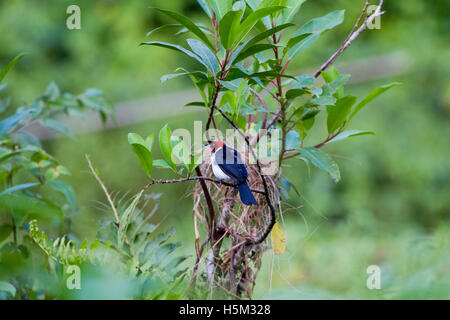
x=246, y=194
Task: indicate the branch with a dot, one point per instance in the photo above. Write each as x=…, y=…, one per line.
x=116, y=216
x=160, y=181
x=216, y=93
x=263, y=102
x=352, y=36
x=195, y=270
x=213, y=105
x=317, y=146
x=271, y=122
x=212, y=215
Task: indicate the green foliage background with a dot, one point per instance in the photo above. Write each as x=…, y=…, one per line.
x=392, y=207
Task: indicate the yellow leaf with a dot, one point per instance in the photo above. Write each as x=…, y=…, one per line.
x=278, y=239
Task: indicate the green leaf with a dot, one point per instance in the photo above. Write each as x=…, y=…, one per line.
x=319, y=25
x=292, y=7
x=239, y=5
x=265, y=22
x=303, y=81
x=5, y=231
x=323, y=100
x=304, y=126
x=203, y=27
x=229, y=27
x=350, y=133
x=4, y=103
x=330, y=74
x=292, y=140
x=232, y=85
x=142, y=149
x=176, y=48
x=9, y=66
x=57, y=126
x=134, y=138
x=51, y=174
x=336, y=86
x=23, y=206
x=6, y=153
x=195, y=104
x=19, y=187
x=221, y=7
x=252, y=50
x=126, y=218
x=191, y=26
x=196, y=160
x=165, y=145
x=52, y=92
x=298, y=87
x=322, y=161
x=7, y=287
x=338, y=113
x=166, y=77
x=10, y=122
x=205, y=54
x=182, y=151
x=375, y=93
x=93, y=99
x=253, y=18
x=26, y=138
x=250, y=44
x=262, y=36
x=315, y=27
x=205, y=6
x=302, y=45
x=66, y=190
x=163, y=27
x=294, y=40
x=160, y=163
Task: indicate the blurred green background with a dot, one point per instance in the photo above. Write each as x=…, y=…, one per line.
x=391, y=208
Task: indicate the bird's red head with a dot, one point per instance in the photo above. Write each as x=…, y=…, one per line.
x=216, y=145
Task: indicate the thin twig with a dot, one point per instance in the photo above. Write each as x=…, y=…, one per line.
x=161, y=181
x=317, y=146
x=216, y=93
x=116, y=216
x=350, y=38
x=197, y=262
x=263, y=102
x=353, y=35
x=363, y=12
x=212, y=107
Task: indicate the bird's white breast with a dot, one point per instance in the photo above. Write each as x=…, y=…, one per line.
x=216, y=169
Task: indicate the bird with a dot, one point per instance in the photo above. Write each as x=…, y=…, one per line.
x=227, y=164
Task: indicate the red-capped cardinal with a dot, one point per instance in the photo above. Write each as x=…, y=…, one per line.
x=227, y=165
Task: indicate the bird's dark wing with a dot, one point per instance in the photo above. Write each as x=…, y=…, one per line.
x=231, y=164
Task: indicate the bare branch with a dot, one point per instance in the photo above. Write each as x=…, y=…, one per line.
x=212, y=107
x=161, y=181
x=195, y=270
x=111, y=203
x=212, y=215
x=263, y=102
x=352, y=36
